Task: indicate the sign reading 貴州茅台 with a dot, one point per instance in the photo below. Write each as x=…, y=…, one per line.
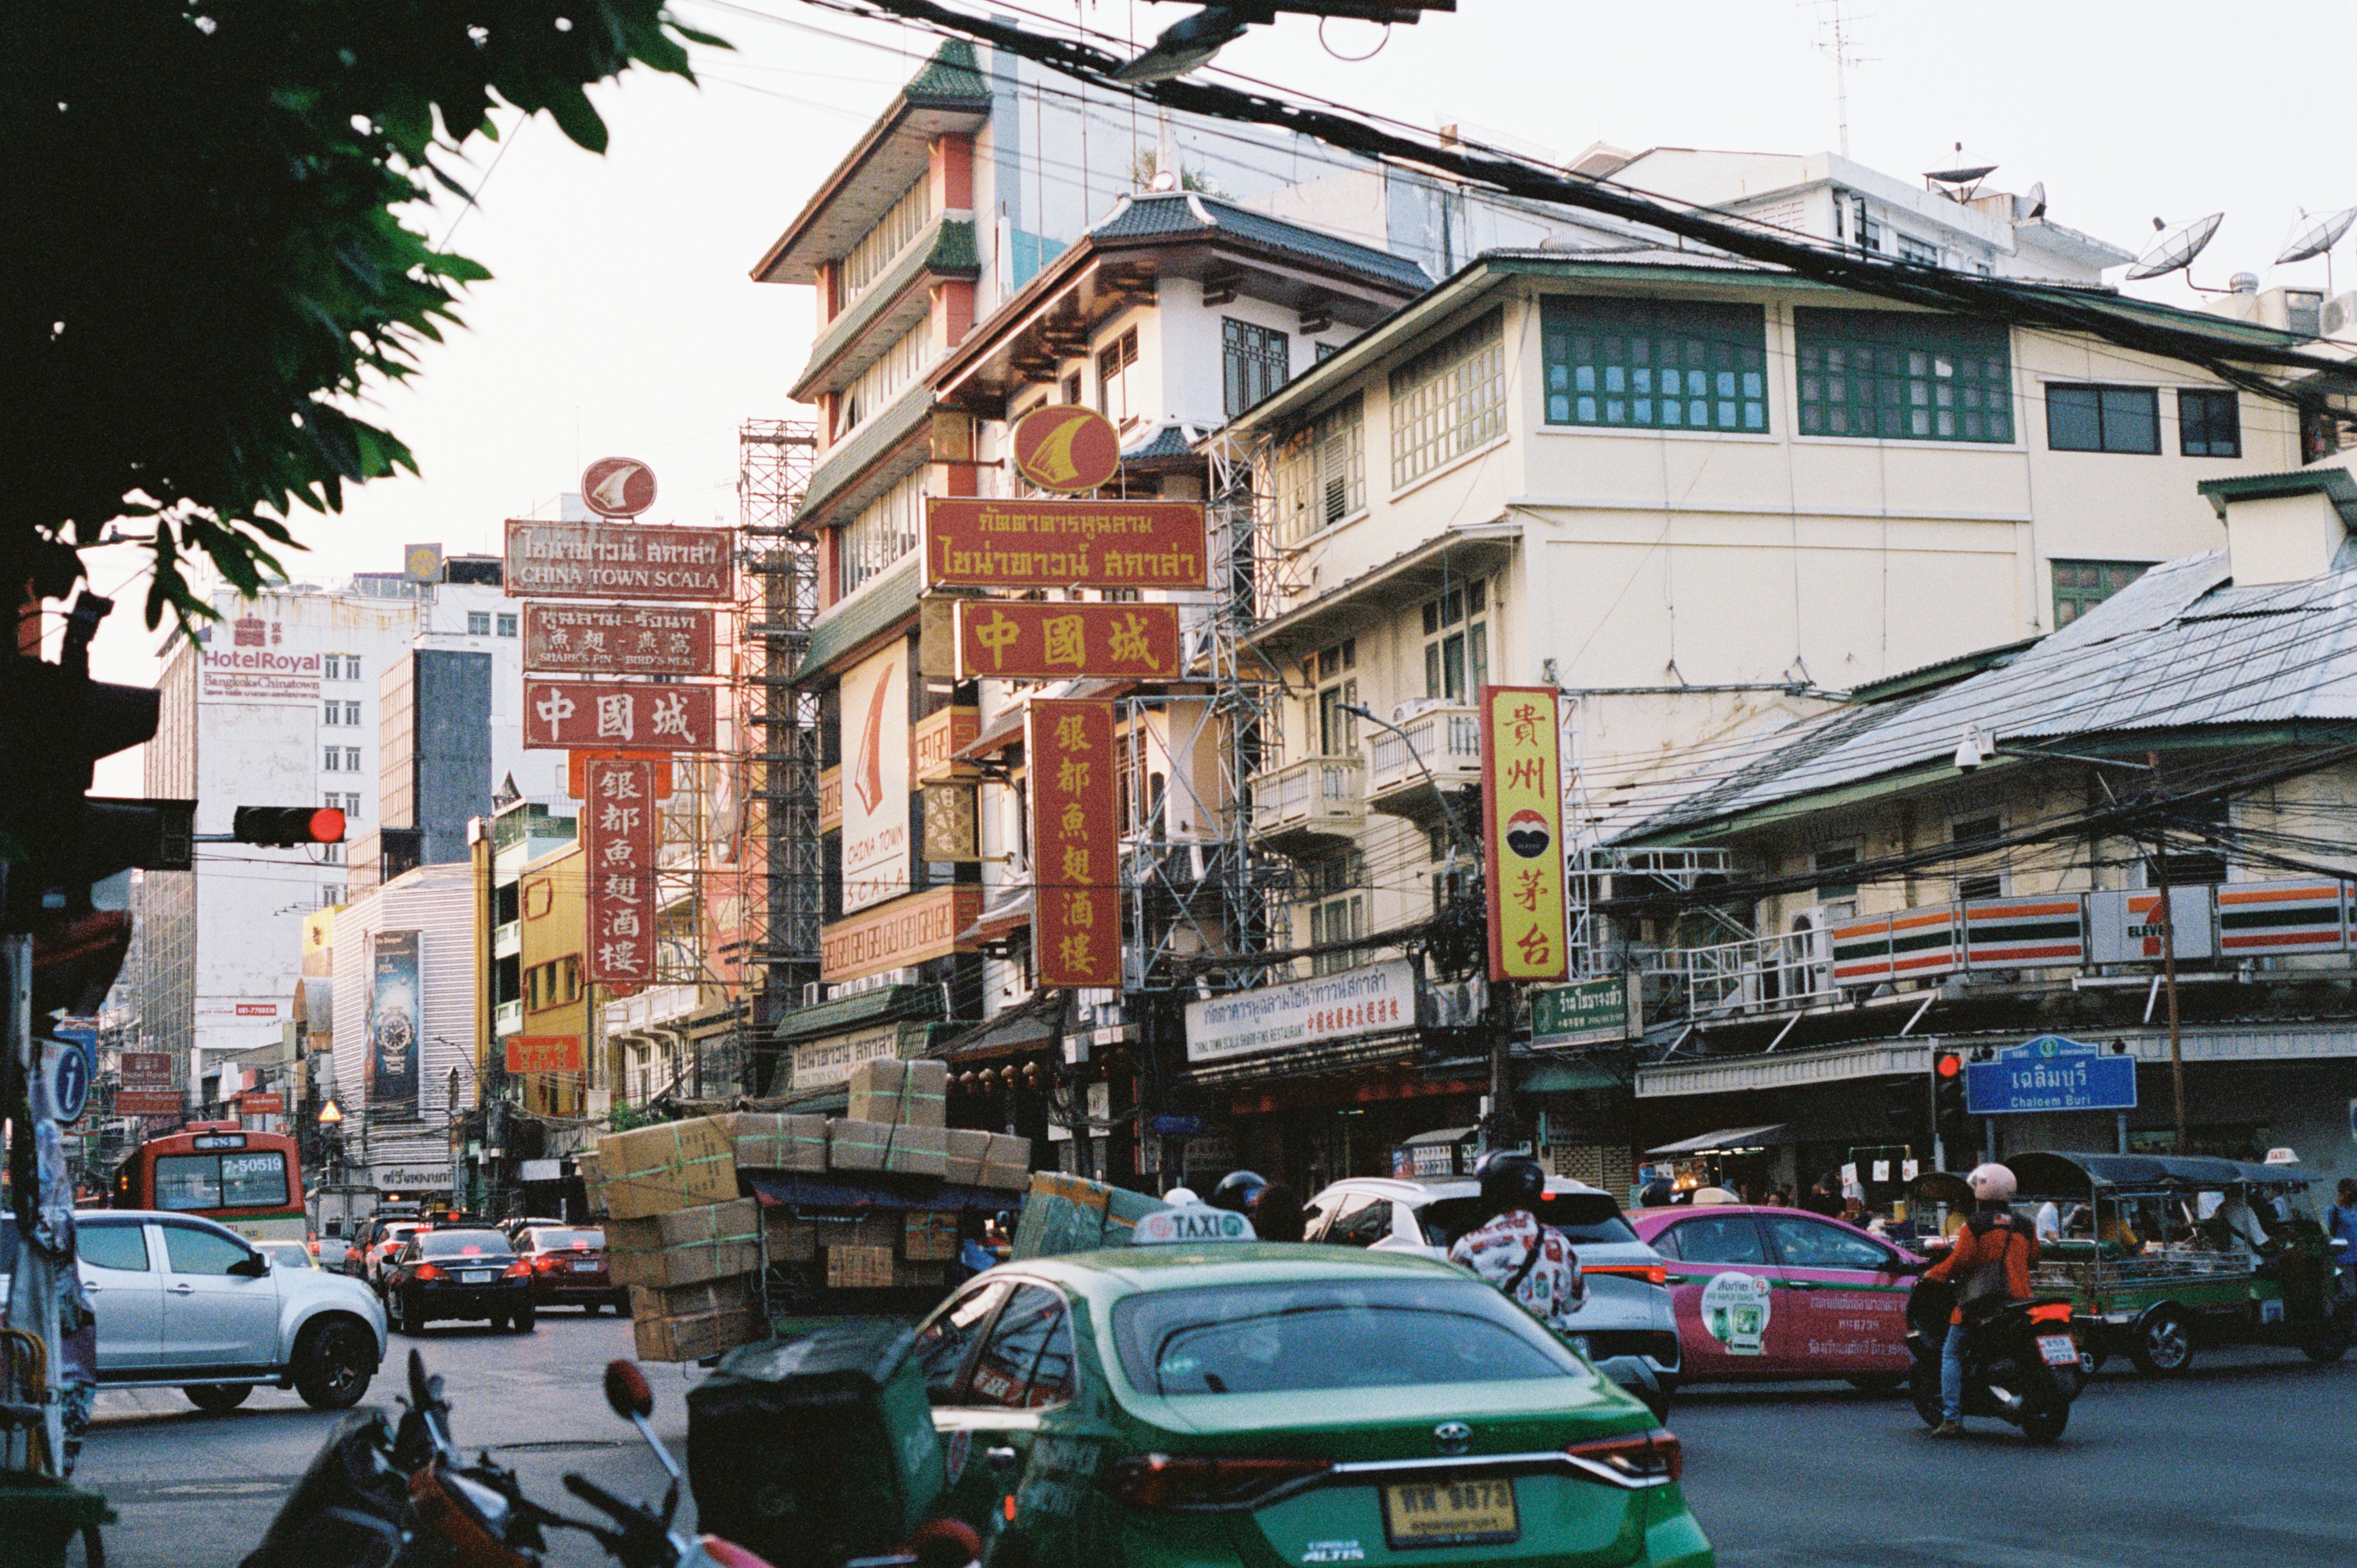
x=1376, y=999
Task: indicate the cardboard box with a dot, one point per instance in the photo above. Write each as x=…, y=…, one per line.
x=859, y=1268
x=875, y=1089
x=790, y=1240
x=929, y=1236
x=1007, y=1164
x=918, y=1151
x=965, y=1156
x=914, y=1093
x=854, y=1144
x=679, y=1165
x=592, y=1184
x=704, y=1299
x=684, y=1246
x=692, y=1338
x=905, y=1273
x=768, y=1140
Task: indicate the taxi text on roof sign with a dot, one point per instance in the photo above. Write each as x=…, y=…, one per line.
x=1190, y=1222
x=1030, y=640
x=1522, y=832
x=1029, y=543
x=1075, y=843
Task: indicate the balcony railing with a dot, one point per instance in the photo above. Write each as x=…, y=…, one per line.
x=1315, y=796
x=1446, y=743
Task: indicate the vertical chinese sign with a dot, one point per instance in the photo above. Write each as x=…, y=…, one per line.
x=1075, y=843
x=1521, y=834
x=619, y=840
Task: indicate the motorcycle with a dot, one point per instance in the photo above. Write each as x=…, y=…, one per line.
x=2021, y=1364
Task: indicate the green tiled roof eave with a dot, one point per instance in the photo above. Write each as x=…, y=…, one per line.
x=891, y=600
x=896, y=423
x=886, y=1003
x=952, y=76
x=950, y=252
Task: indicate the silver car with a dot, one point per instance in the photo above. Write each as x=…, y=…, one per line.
x=1628, y=1328
x=184, y=1303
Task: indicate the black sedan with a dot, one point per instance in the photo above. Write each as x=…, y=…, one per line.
x=468, y=1273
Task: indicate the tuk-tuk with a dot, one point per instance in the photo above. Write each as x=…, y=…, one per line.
x=2162, y=1253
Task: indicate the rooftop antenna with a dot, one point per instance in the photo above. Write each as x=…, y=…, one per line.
x=2316, y=237
x=1836, y=43
x=2176, y=249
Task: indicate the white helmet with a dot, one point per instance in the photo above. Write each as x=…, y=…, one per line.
x=1179, y=1197
x=1991, y=1184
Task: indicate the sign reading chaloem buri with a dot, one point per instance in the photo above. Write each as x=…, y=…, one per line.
x=595, y=714
x=617, y=560
x=1033, y=641
x=2050, y=1073
x=1521, y=834
x=618, y=640
x=618, y=842
x=1075, y=843
x=1585, y=1013
x=1032, y=543
x=1374, y=999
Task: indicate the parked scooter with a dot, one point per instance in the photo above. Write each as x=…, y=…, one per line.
x=2021, y=1365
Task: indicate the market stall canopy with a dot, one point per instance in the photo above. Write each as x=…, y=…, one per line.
x=2044, y=1174
x=1725, y=1140
x=1941, y=1186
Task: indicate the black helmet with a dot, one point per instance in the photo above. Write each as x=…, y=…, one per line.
x=1237, y=1191
x=1510, y=1179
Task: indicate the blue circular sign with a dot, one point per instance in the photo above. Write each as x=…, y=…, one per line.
x=68, y=1076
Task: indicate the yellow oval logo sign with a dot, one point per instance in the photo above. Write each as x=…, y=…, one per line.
x=1063, y=446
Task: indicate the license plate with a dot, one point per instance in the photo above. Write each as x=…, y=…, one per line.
x=476, y=1277
x=585, y=1268
x=1450, y=1513
x=2060, y=1349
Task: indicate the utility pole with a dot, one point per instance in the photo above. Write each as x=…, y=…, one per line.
x=2168, y=965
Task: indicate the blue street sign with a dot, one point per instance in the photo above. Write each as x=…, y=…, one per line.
x=68, y=1067
x=1178, y=1127
x=2050, y=1073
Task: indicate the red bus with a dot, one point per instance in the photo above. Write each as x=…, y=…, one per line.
x=250, y=1182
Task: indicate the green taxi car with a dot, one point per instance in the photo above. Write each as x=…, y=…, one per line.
x=1198, y=1406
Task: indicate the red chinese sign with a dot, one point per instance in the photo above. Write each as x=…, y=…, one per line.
x=578, y=789
x=618, y=560
x=1065, y=446
x=1058, y=543
x=619, y=840
x=593, y=716
x=617, y=639
x=1075, y=843
x=544, y=1053
x=1028, y=640
x=1521, y=834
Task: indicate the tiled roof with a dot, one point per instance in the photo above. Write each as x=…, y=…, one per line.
x=1170, y=439
x=891, y=425
x=950, y=77
x=950, y=252
x=1154, y=214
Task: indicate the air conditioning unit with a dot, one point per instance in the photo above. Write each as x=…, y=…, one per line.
x=2338, y=316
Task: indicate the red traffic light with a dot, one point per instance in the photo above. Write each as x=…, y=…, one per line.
x=327, y=825
x=1949, y=1066
x=283, y=827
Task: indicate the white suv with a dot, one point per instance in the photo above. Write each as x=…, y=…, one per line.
x=182, y=1302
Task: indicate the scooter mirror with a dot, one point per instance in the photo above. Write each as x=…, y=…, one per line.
x=627, y=1391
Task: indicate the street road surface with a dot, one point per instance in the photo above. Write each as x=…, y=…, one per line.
x=2246, y=1461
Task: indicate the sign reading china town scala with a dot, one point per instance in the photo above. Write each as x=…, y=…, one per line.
x=1376, y=999
x=619, y=841
x=1030, y=640
x=874, y=779
x=973, y=544
x=1521, y=834
x=617, y=486
x=617, y=560
x=1065, y=446
x=592, y=714
x=618, y=640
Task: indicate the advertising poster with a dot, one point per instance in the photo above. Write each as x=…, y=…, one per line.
x=1075, y=844
x=620, y=836
x=876, y=779
x=1030, y=640
x=1033, y=544
x=1521, y=834
x=395, y=999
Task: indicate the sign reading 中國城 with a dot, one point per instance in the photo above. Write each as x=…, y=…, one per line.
x=593, y=716
x=618, y=640
x=1521, y=834
x=1373, y=999
x=875, y=780
x=1032, y=641
x=1032, y=543
x=544, y=1053
x=1065, y=446
x=1070, y=750
x=2050, y=1073
x=619, y=841
x=1585, y=1013
x=617, y=560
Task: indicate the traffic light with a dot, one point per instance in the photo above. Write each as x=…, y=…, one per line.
x=283, y=827
x=1949, y=1117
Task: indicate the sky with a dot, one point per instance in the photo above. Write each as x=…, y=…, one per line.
x=621, y=318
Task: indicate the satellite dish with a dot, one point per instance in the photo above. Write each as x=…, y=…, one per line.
x=2318, y=237
x=2037, y=201
x=2176, y=248
x=1963, y=169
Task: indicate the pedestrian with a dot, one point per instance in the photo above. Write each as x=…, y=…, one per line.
x=1277, y=1214
x=1990, y=1264
x=1531, y=1262
x=1824, y=1197
x=2341, y=1230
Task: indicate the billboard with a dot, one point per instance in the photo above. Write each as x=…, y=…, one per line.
x=1373, y=999
x=1019, y=543
x=1075, y=843
x=1034, y=640
x=146, y=1089
x=875, y=779
x=395, y=1003
x=620, y=836
x=598, y=714
x=1521, y=834
x=617, y=560
x=618, y=640
x=251, y=671
x=1586, y=1013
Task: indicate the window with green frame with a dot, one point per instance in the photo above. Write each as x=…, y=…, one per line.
x=1659, y=364
x=1903, y=376
x=2080, y=586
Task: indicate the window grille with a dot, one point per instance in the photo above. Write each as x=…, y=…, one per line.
x=1322, y=474
x=881, y=246
x=1256, y=361
x=1902, y=376
x=1657, y=364
x=1449, y=400
x=885, y=531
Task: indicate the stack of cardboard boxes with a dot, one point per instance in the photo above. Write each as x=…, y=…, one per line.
x=680, y=1238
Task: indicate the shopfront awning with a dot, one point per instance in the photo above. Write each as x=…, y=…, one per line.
x=1442, y=1136
x=1570, y=1076
x=1726, y=1140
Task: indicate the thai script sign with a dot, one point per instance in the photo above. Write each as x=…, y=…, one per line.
x=2050, y=1073
x=619, y=841
x=1585, y=1013
x=544, y=1053
x=617, y=560
x=1521, y=834
x=1075, y=843
x=1060, y=543
x=1030, y=640
x=617, y=639
x=1376, y=999
x=597, y=715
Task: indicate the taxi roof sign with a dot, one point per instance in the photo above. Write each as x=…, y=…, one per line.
x=1194, y=1222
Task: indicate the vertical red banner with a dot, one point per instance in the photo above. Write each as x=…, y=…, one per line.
x=1522, y=832
x=619, y=838
x=1075, y=843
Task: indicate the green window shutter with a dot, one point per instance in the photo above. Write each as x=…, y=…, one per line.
x=2080, y=586
x=1896, y=376
x=1655, y=364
